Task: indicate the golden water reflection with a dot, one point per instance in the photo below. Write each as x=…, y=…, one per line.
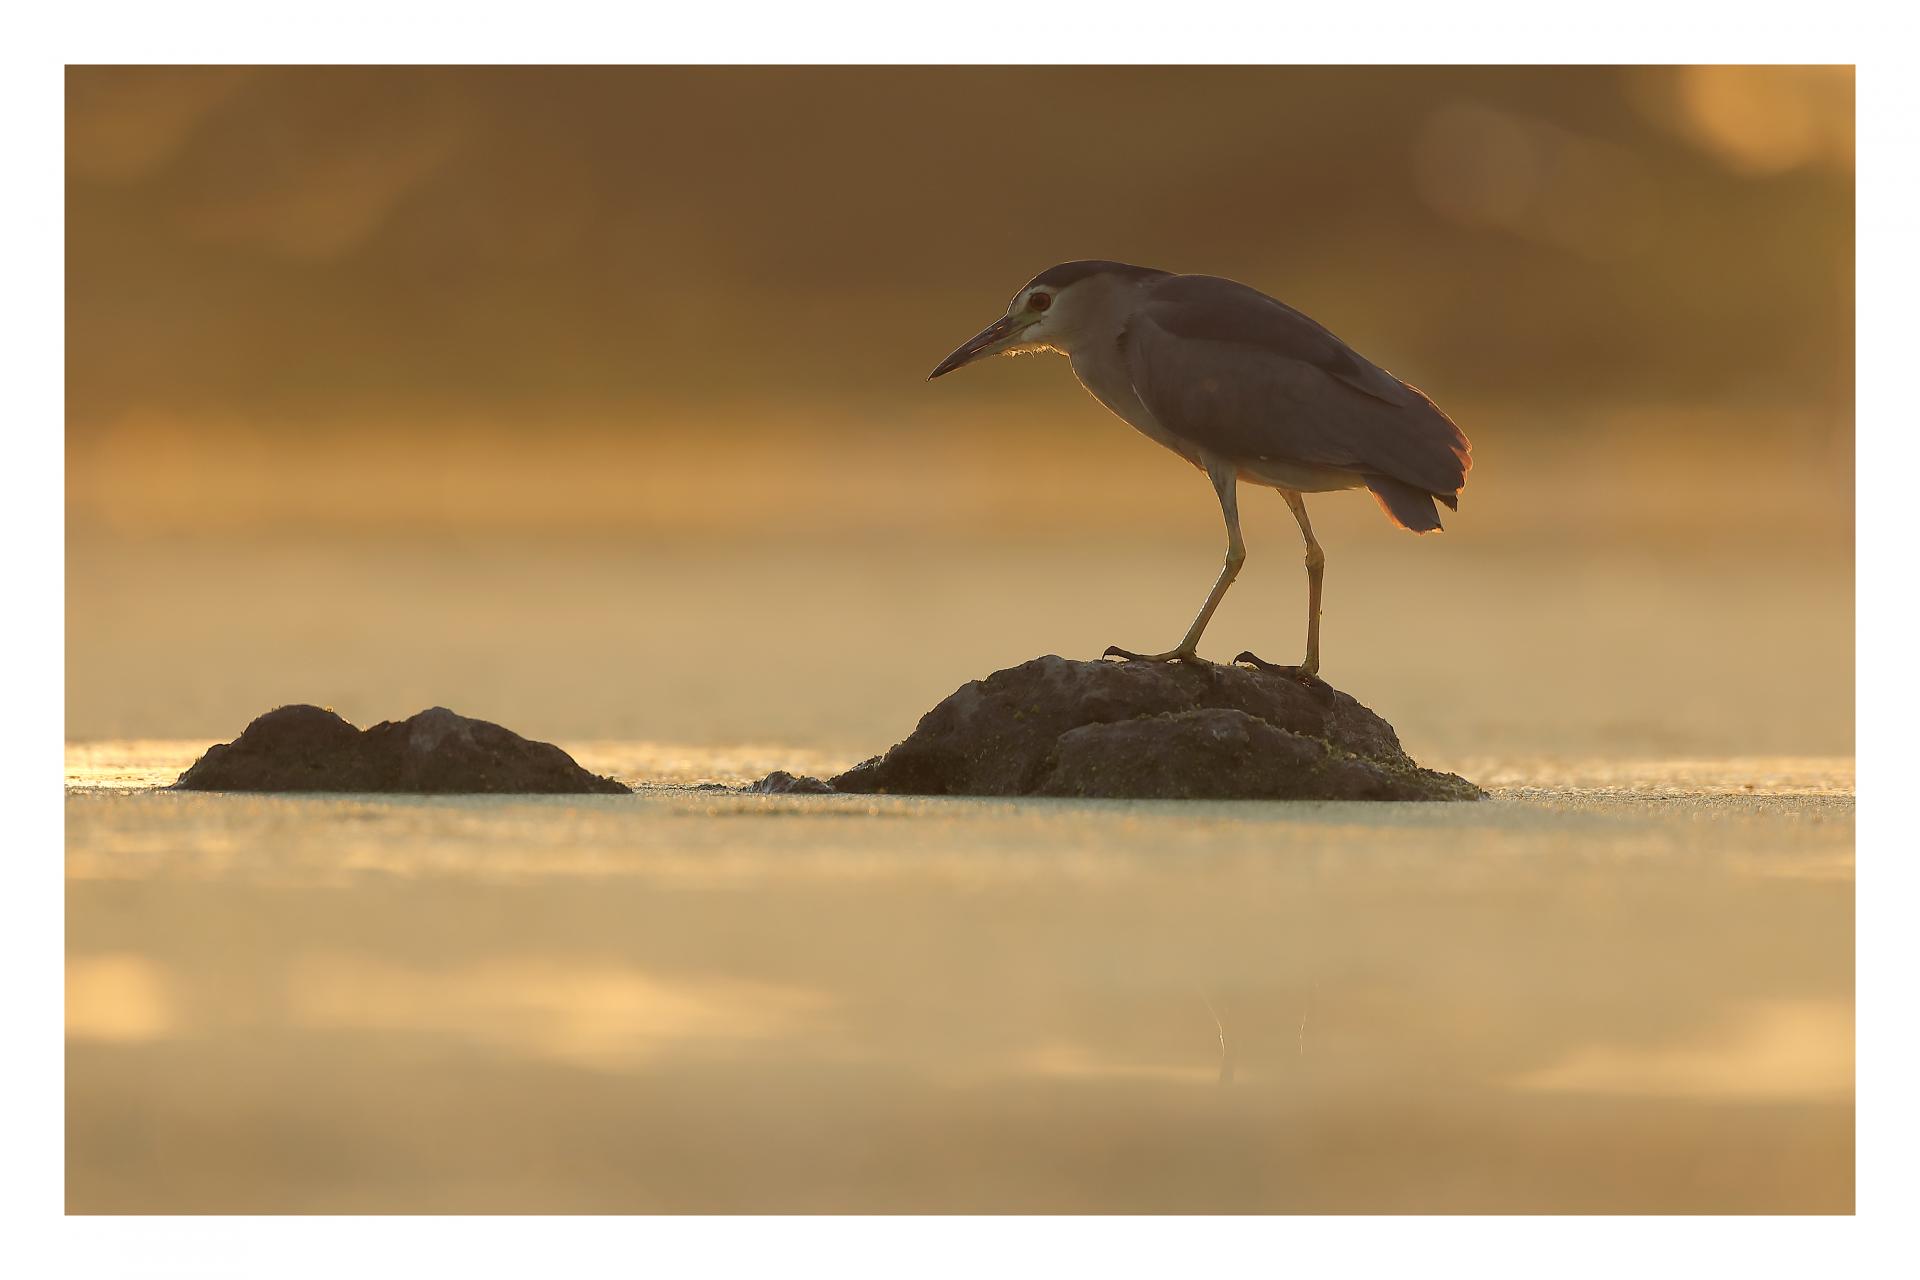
x=1777, y=1050
x=1617, y=999
x=601, y=1015
x=117, y=997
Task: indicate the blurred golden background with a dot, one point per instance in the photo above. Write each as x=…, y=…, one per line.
x=591, y=399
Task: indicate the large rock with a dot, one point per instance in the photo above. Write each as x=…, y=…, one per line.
x=303, y=748
x=1146, y=730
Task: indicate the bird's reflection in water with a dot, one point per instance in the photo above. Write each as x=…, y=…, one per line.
x=1226, y=1048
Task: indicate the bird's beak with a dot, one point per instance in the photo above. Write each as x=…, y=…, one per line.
x=990, y=341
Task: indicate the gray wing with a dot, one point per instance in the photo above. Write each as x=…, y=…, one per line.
x=1246, y=376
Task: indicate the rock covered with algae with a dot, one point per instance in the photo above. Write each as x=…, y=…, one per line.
x=1152, y=731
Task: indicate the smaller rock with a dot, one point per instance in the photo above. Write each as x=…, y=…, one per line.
x=782, y=783
x=307, y=748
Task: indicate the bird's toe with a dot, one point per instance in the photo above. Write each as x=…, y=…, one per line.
x=1171, y=655
x=1302, y=673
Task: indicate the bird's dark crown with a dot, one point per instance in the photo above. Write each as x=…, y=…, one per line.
x=1066, y=273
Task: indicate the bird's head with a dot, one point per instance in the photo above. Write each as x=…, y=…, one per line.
x=1051, y=311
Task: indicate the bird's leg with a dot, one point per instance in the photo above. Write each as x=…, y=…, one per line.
x=1226, y=483
x=1316, y=574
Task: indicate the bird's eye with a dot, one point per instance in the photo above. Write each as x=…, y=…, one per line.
x=1039, y=302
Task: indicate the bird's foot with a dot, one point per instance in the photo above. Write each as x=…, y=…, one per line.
x=1307, y=672
x=1171, y=655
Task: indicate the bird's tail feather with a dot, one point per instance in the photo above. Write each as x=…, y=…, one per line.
x=1406, y=505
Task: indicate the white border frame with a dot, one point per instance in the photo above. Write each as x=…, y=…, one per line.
x=1388, y=31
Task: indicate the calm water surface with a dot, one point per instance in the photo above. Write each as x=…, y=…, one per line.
x=1613, y=987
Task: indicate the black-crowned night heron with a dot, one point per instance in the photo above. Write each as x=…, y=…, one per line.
x=1241, y=386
